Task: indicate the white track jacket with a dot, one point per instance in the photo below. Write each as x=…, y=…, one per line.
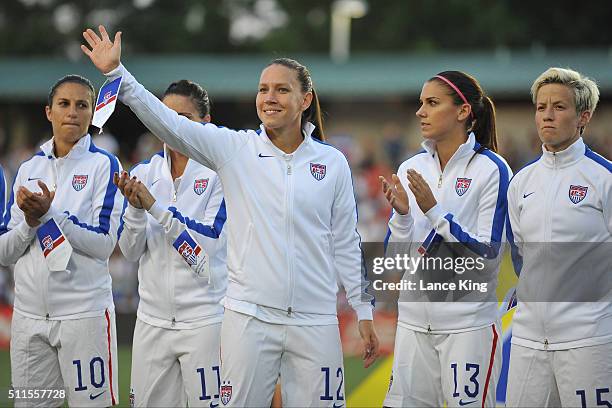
x=291, y=217
x=87, y=206
x=560, y=228
x=471, y=209
x=172, y=295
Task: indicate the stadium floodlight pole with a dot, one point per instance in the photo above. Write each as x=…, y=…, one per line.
x=342, y=13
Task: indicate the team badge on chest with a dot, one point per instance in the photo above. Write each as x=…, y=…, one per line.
x=318, y=170
x=199, y=186
x=79, y=181
x=462, y=185
x=226, y=393
x=577, y=193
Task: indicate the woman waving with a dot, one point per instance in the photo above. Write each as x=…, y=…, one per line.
x=291, y=234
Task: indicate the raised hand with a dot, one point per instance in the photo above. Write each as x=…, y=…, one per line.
x=395, y=194
x=421, y=190
x=370, y=342
x=104, y=54
x=127, y=185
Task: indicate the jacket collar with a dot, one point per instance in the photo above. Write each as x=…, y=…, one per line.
x=566, y=157
x=307, y=130
x=167, y=166
x=80, y=148
x=465, y=149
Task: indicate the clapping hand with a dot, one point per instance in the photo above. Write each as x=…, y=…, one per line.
x=395, y=194
x=421, y=190
x=34, y=205
x=136, y=193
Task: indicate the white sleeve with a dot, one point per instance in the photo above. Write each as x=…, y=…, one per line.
x=207, y=144
x=513, y=231
x=97, y=240
x=207, y=232
x=132, y=232
x=348, y=255
x=15, y=234
x=492, y=210
x=132, y=228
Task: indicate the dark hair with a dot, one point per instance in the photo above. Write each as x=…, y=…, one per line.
x=313, y=113
x=75, y=79
x=192, y=90
x=482, y=121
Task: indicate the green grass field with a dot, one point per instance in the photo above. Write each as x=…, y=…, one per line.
x=353, y=369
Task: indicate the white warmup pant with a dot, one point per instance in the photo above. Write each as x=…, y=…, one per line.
x=78, y=355
x=173, y=367
x=254, y=353
x=458, y=369
x=577, y=377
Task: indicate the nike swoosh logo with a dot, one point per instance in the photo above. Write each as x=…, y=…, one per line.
x=213, y=405
x=154, y=182
x=527, y=195
x=263, y=155
x=93, y=397
x=34, y=178
x=462, y=403
x=338, y=406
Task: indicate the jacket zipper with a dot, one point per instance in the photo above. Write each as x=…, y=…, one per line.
x=54, y=175
x=45, y=290
x=169, y=283
x=289, y=230
x=547, y=238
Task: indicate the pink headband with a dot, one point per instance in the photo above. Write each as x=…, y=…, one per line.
x=456, y=90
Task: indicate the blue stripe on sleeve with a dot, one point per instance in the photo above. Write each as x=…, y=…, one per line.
x=83, y=225
x=2, y=196
x=121, y=223
x=109, y=198
x=388, y=236
x=484, y=250
x=501, y=207
x=517, y=259
x=111, y=190
x=213, y=231
x=429, y=238
x=598, y=159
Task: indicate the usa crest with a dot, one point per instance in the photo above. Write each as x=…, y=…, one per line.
x=189, y=252
x=226, y=393
x=47, y=243
x=577, y=193
x=79, y=181
x=199, y=186
x=462, y=185
x=187, y=247
x=50, y=237
x=318, y=170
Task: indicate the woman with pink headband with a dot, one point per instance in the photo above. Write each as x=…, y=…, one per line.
x=449, y=204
